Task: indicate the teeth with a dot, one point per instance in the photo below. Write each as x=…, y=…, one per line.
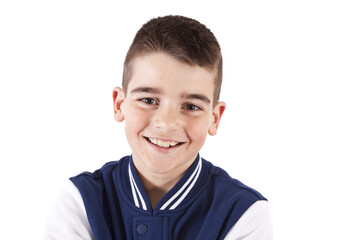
x=160, y=143
x=164, y=144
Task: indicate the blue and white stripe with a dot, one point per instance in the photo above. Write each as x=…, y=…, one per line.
x=192, y=180
x=137, y=192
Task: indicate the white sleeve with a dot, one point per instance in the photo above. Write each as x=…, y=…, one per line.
x=254, y=224
x=67, y=219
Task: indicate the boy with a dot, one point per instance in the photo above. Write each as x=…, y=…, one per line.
x=164, y=190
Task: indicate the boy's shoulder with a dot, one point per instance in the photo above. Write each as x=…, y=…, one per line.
x=105, y=171
x=224, y=184
x=213, y=177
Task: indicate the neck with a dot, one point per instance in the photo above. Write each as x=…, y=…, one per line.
x=157, y=184
x=156, y=187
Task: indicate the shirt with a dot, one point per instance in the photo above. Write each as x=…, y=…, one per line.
x=205, y=204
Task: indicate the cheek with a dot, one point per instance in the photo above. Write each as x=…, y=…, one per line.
x=135, y=121
x=197, y=130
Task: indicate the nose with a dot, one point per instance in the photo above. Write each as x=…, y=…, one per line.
x=167, y=118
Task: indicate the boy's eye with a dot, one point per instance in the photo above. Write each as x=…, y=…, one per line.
x=192, y=107
x=148, y=101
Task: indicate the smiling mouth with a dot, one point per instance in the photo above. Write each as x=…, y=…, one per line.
x=163, y=144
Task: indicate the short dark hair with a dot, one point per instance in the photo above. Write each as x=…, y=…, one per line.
x=185, y=39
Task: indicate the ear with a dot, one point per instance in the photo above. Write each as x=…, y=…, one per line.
x=217, y=114
x=118, y=100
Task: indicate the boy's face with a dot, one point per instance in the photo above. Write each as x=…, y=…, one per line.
x=168, y=112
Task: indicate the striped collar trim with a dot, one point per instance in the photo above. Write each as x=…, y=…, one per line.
x=174, y=200
x=135, y=192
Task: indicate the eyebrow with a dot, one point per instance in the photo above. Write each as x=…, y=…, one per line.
x=146, y=90
x=183, y=95
x=196, y=96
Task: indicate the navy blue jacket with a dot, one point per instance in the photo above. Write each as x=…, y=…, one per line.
x=204, y=204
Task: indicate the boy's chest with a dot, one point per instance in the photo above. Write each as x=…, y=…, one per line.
x=200, y=221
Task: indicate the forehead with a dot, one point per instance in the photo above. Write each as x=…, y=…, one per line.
x=163, y=71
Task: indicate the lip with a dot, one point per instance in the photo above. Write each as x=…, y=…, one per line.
x=163, y=149
x=163, y=139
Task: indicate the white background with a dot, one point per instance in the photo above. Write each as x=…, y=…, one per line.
x=291, y=84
